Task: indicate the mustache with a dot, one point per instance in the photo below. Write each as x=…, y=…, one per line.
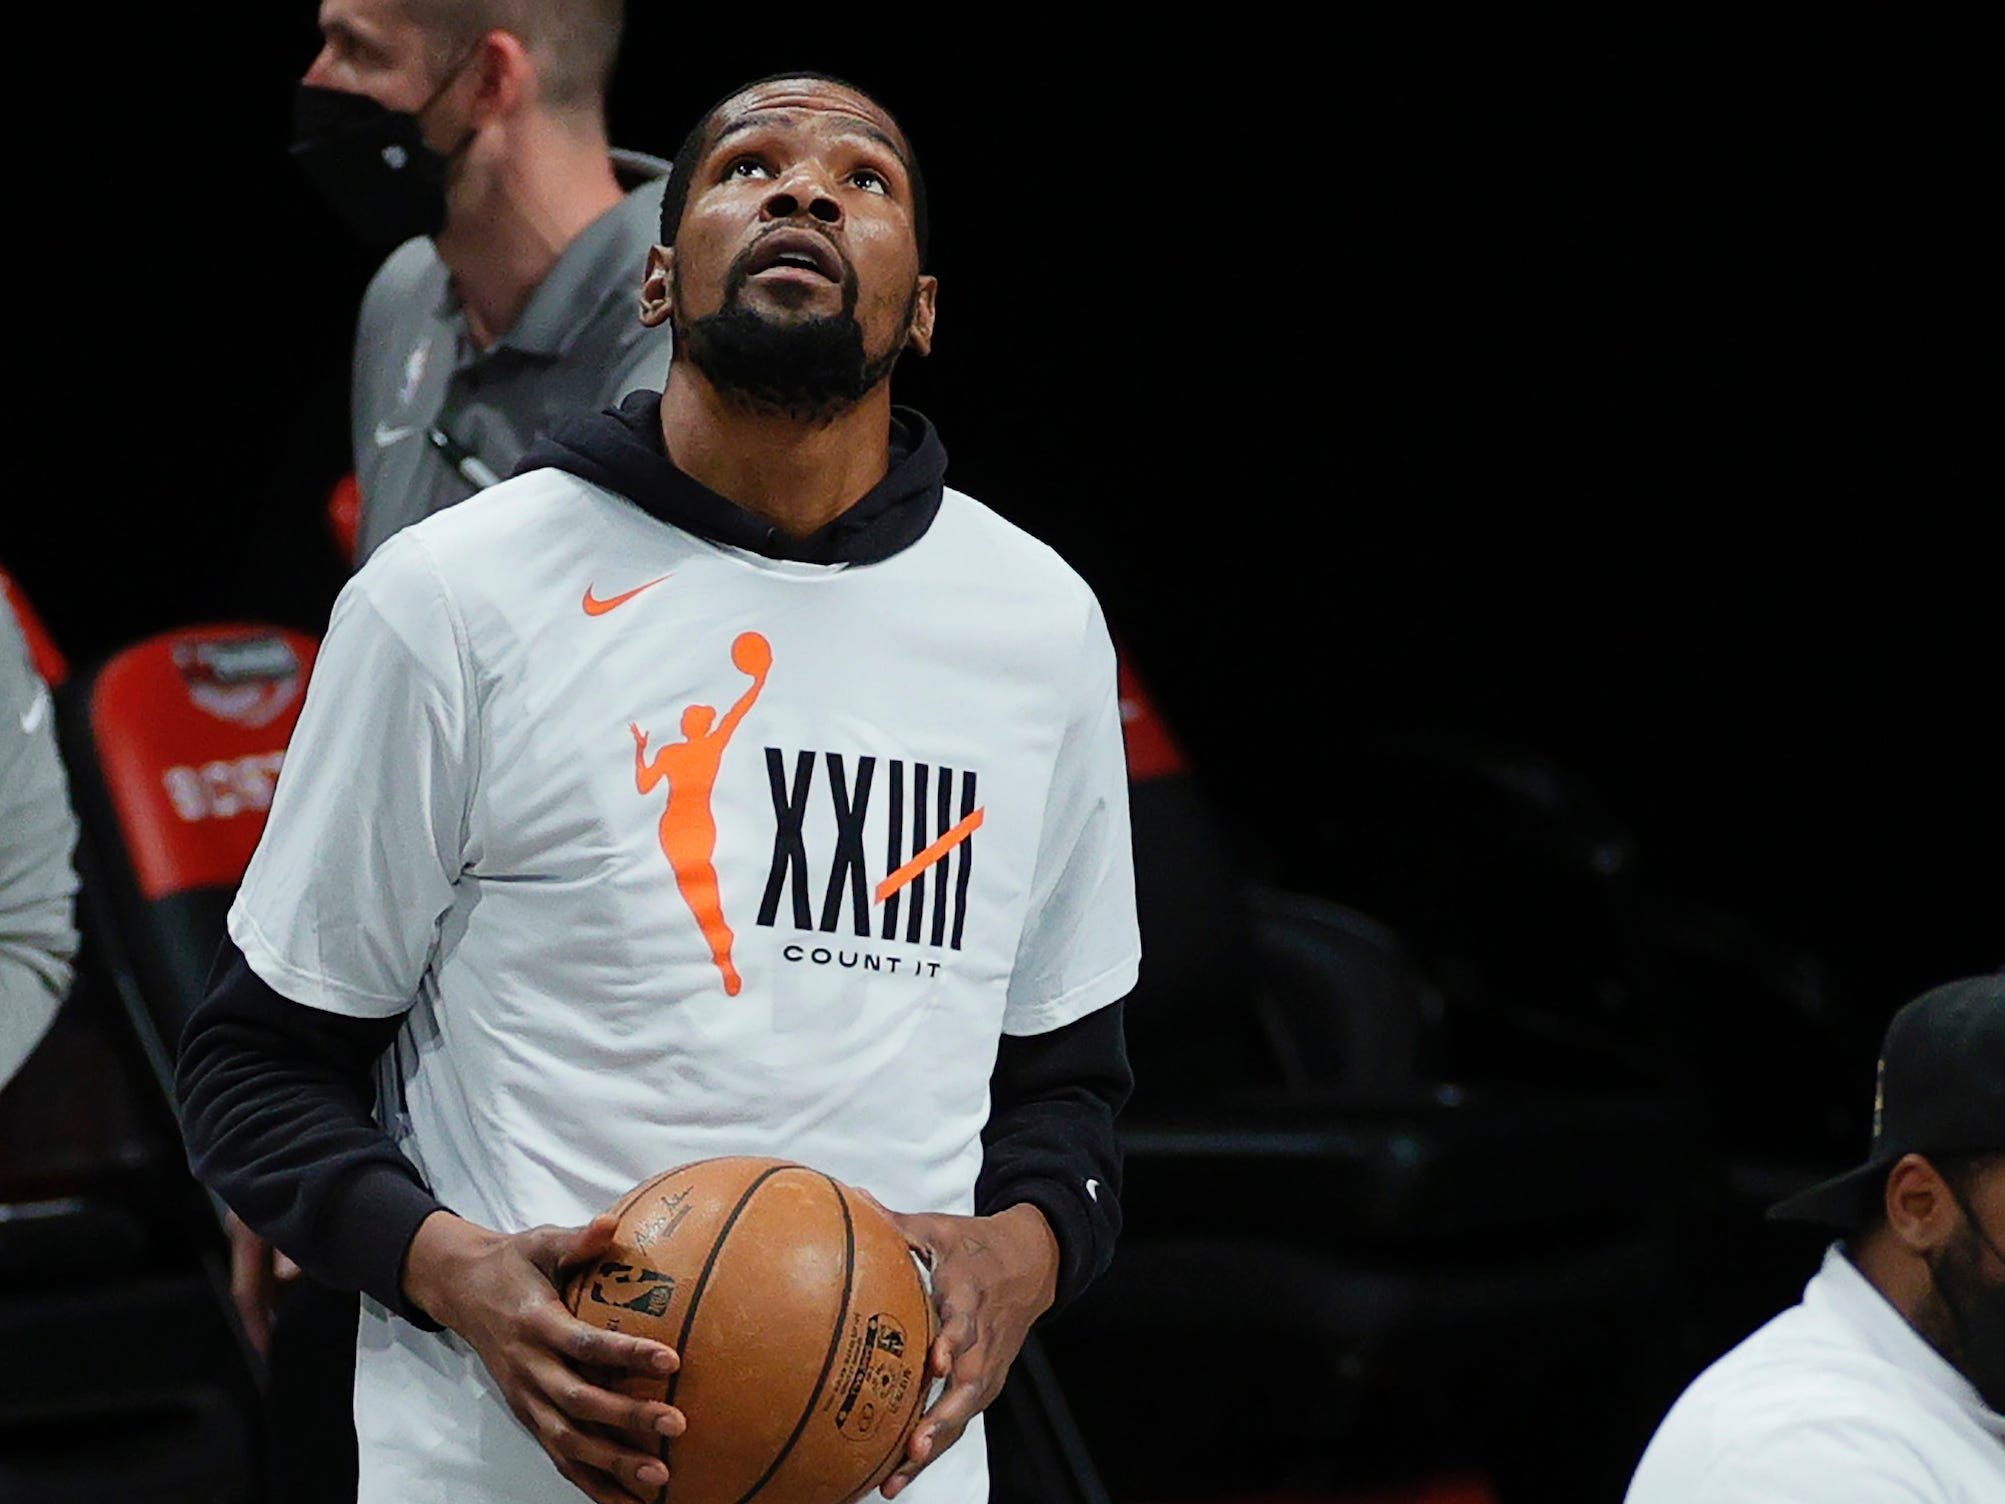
x=739, y=272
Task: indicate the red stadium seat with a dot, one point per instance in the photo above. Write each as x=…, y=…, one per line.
x=1153, y=752
x=344, y=514
x=175, y=744
x=49, y=660
x=93, y=1179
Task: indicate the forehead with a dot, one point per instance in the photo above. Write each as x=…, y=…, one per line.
x=807, y=102
x=366, y=13
x=367, y=18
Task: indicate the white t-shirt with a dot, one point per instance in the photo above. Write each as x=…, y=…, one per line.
x=1838, y=1400
x=794, y=925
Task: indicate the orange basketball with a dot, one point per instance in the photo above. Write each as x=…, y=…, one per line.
x=802, y=1318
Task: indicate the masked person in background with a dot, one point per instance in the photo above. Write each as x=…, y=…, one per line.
x=1887, y=1381
x=470, y=135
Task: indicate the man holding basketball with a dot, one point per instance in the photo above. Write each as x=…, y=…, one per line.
x=910, y=855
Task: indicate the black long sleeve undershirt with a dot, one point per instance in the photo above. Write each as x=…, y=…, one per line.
x=278, y=1117
x=277, y=1111
x=1051, y=1139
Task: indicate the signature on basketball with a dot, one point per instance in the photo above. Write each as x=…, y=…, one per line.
x=664, y=1222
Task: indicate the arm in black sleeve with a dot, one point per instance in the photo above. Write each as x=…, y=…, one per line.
x=277, y=1115
x=1051, y=1141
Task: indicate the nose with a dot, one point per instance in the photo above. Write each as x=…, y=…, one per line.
x=804, y=188
x=320, y=71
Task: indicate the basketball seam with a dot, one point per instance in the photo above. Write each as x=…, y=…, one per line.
x=696, y=1296
x=834, y=1342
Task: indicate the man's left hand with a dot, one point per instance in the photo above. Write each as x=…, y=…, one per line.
x=992, y=1277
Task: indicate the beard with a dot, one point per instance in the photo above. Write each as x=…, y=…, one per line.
x=1967, y=1321
x=808, y=370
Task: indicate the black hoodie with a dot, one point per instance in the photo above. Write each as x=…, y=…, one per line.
x=277, y=1098
x=621, y=449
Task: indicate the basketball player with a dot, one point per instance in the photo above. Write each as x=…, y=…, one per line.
x=879, y=918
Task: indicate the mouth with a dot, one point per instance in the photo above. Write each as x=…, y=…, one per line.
x=799, y=252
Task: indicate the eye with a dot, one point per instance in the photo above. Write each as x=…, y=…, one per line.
x=869, y=180
x=747, y=167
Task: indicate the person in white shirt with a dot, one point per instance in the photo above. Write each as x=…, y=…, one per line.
x=722, y=782
x=1886, y=1383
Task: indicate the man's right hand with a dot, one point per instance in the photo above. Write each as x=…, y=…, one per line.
x=258, y=1272
x=501, y=1293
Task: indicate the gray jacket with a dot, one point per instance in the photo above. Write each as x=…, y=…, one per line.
x=38, y=838
x=434, y=419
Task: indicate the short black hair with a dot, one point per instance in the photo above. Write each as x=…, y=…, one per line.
x=675, y=195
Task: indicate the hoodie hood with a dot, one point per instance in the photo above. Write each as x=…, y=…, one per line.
x=621, y=449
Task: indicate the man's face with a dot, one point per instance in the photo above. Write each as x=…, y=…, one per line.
x=800, y=209
x=370, y=47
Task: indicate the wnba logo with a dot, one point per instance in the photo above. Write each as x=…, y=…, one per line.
x=689, y=767
x=925, y=826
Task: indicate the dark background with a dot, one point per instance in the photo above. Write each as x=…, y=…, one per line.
x=1607, y=390
x=1607, y=397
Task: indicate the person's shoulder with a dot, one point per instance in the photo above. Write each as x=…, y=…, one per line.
x=1007, y=548
x=413, y=269
x=643, y=179
x=636, y=171
x=503, y=521
x=462, y=548
x=1788, y=1398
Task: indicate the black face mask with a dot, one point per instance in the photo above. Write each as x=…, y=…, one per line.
x=371, y=164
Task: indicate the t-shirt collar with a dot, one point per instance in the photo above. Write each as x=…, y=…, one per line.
x=1841, y=1293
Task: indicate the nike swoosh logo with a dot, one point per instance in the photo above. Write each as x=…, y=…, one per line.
x=1093, y=1190
x=32, y=717
x=596, y=607
x=386, y=435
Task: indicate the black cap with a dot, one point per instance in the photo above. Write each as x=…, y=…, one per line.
x=1941, y=1091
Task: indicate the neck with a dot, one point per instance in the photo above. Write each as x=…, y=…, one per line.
x=532, y=191
x=797, y=476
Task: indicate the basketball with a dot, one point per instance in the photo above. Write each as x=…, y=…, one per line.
x=802, y=1318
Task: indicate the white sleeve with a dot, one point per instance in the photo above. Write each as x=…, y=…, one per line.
x=1844, y=1456
x=38, y=836
x=1081, y=945
x=341, y=904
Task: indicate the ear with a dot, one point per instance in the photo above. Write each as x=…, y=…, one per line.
x=1921, y=1213
x=657, y=288
x=920, y=335
x=505, y=77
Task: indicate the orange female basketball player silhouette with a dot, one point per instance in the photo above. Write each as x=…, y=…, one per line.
x=688, y=829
